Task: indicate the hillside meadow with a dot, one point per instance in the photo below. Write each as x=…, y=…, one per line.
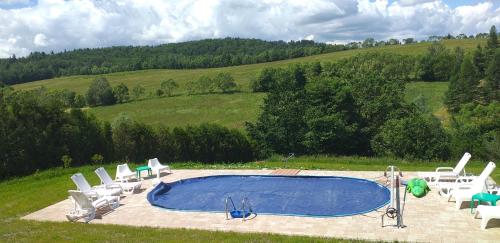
x=151, y=79
x=233, y=110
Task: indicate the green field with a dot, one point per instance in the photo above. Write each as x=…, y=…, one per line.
x=231, y=110
x=151, y=79
x=433, y=95
x=24, y=195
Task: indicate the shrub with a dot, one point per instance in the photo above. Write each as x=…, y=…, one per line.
x=100, y=93
x=138, y=91
x=167, y=87
x=66, y=161
x=120, y=92
x=97, y=159
x=225, y=82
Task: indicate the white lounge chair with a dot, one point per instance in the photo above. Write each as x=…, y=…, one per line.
x=487, y=213
x=124, y=174
x=86, y=209
x=93, y=192
x=157, y=167
x=463, y=192
x=432, y=178
x=127, y=187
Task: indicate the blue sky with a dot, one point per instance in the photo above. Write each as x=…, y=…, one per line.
x=56, y=25
x=13, y=4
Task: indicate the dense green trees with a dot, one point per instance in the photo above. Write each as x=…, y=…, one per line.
x=414, y=136
x=476, y=129
x=331, y=116
x=338, y=109
x=193, y=54
x=36, y=132
x=436, y=64
x=356, y=106
x=281, y=126
x=478, y=79
x=463, y=86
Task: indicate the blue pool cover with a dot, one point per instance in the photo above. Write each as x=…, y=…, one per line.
x=323, y=196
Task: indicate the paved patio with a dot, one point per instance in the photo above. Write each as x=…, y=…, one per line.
x=428, y=219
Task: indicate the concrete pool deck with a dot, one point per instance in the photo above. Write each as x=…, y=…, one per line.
x=428, y=219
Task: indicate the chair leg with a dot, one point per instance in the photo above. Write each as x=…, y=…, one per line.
x=90, y=216
x=458, y=203
x=484, y=222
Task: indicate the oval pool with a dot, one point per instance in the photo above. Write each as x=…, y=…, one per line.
x=324, y=196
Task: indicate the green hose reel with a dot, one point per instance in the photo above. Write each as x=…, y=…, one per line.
x=417, y=187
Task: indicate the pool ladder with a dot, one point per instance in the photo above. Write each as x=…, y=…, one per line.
x=244, y=204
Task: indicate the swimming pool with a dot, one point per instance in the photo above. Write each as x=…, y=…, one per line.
x=320, y=196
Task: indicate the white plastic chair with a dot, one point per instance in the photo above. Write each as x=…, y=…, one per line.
x=487, y=213
x=124, y=174
x=432, y=178
x=93, y=192
x=127, y=187
x=86, y=209
x=157, y=167
x=463, y=192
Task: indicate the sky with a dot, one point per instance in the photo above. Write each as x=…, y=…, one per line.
x=57, y=25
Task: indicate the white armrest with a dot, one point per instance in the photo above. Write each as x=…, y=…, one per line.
x=442, y=169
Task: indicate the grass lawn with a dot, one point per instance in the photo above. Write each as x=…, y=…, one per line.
x=151, y=79
x=20, y=196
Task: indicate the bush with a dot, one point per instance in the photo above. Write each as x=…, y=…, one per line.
x=225, y=82
x=97, y=159
x=120, y=93
x=138, y=91
x=167, y=87
x=414, y=137
x=66, y=161
x=100, y=93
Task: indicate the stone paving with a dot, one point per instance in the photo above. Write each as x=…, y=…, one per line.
x=428, y=219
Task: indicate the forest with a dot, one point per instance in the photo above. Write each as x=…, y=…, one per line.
x=194, y=54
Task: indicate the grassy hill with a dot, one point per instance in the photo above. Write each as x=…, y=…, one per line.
x=233, y=110
x=151, y=79
x=230, y=110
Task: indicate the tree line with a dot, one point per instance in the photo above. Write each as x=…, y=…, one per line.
x=38, y=132
x=101, y=93
x=356, y=106
x=193, y=54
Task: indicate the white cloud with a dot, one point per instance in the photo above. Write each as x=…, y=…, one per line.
x=58, y=24
x=413, y=2
x=40, y=40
